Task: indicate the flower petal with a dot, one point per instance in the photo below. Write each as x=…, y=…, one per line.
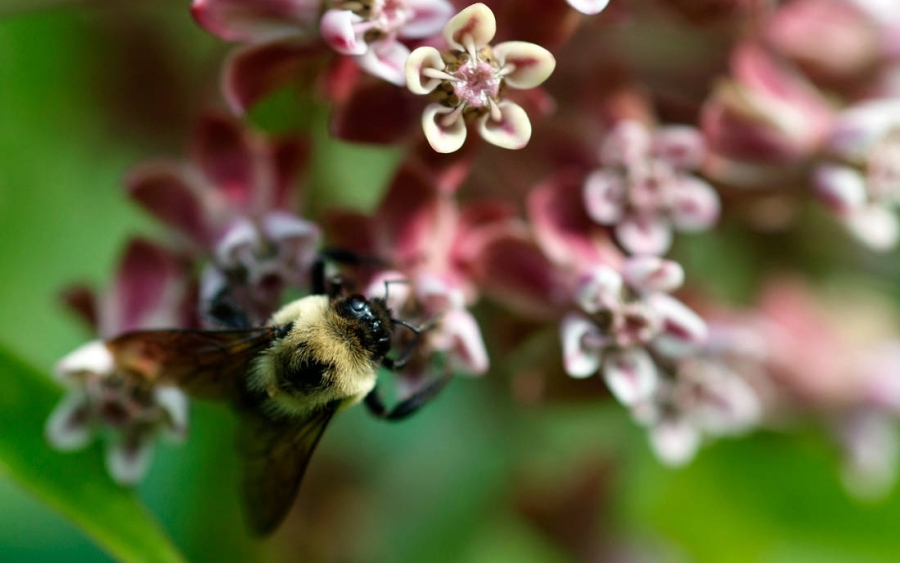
x=600, y=288
x=841, y=188
x=386, y=59
x=531, y=64
x=175, y=403
x=93, y=357
x=167, y=192
x=237, y=244
x=630, y=375
x=127, y=460
x=675, y=441
x=443, y=137
x=695, y=204
x=589, y=7
x=259, y=20
x=392, y=286
x=511, y=131
x=427, y=17
x=467, y=351
x=644, y=235
x=681, y=146
x=683, y=330
x=650, y=274
x=475, y=24
x=627, y=144
x=578, y=361
x=876, y=226
x=223, y=151
x=419, y=60
x=858, y=128
x=337, y=29
x=69, y=426
x=604, y=194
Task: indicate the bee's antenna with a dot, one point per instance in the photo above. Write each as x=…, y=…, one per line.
x=417, y=331
x=387, y=288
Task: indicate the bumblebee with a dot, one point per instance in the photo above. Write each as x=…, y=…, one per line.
x=317, y=356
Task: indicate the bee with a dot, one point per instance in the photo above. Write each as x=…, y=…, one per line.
x=318, y=355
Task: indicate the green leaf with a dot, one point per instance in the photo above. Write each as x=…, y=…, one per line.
x=76, y=484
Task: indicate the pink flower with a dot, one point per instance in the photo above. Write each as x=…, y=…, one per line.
x=863, y=187
x=644, y=188
x=626, y=316
x=588, y=6
x=469, y=78
x=370, y=31
x=235, y=204
x=150, y=291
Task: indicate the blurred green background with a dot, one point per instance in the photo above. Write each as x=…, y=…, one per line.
x=85, y=92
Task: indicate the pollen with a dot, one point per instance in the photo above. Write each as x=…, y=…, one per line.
x=476, y=84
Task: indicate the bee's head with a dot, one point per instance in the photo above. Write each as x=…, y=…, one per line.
x=370, y=321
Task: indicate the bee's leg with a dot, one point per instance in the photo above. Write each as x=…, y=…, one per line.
x=409, y=405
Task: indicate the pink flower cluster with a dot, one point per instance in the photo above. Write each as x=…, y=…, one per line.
x=647, y=175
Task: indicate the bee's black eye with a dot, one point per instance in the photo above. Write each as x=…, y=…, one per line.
x=357, y=303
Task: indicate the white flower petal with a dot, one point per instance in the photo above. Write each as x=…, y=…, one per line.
x=841, y=188
x=475, y=24
x=386, y=60
x=93, y=357
x=69, y=426
x=442, y=136
x=513, y=129
x=695, y=205
x=604, y=196
x=675, y=441
x=876, y=226
x=630, y=375
x=651, y=274
x=683, y=330
x=419, y=60
x=391, y=285
x=858, y=128
x=600, y=288
x=578, y=361
x=427, y=19
x=468, y=353
x=644, y=235
x=589, y=7
x=531, y=64
x=337, y=30
x=127, y=463
x=175, y=403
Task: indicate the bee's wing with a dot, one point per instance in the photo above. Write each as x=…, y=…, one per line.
x=205, y=363
x=275, y=455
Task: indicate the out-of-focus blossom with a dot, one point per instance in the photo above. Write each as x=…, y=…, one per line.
x=862, y=187
x=763, y=115
x=644, y=187
x=625, y=318
x=426, y=242
x=468, y=80
x=370, y=31
x=150, y=291
x=235, y=203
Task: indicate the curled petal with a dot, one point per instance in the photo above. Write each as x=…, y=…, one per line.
x=69, y=426
x=604, y=194
x=511, y=131
x=683, y=330
x=695, y=204
x=675, y=441
x=644, y=235
x=175, y=403
x=427, y=18
x=127, y=460
x=530, y=64
x=681, y=146
x=238, y=240
x=589, y=7
x=468, y=353
x=385, y=59
x=649, y=274
x=445, y=132
x=280, y=226
x=600, y=289
x=93, y=357
x=475, y=26
x=630, y=375
x=419, y=60
x=841, y=188
x=579, y=361
x=338, y=31
x=224, y=153
x=259, y=20
x=626, y=145
x=876, y=226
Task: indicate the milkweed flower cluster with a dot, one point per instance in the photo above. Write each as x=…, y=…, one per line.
x=632, y=196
